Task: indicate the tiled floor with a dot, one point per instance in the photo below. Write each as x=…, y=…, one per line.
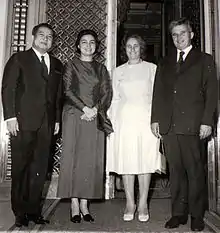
x=108, y=218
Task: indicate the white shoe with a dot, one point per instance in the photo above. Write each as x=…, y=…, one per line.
x=143, y=217
x=129, y=216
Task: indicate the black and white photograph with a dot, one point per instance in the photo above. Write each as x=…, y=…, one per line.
x=110, y=116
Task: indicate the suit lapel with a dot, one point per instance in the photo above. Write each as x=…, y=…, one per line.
x=52, y=65
x=172, y=64
x=37, y=67
x=190, y=60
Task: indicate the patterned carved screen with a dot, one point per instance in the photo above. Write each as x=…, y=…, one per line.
x=68, y=17
x=122, y=8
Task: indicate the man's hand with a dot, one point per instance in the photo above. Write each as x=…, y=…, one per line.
x=90, y=112
x=12, y=126
x=155, y=129
x=205, y=131
x=57, y=128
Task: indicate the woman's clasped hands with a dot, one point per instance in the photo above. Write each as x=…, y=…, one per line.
x=89, y=113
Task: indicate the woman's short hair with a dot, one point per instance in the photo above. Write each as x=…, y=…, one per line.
x=181, y=21
x=41, y=25
x=141, y=43
x=83, y=33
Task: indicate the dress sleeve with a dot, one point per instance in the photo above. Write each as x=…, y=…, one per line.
x=105, y=90
x=116, y=96
x=59, y=96
x=115, y=82
x=71, y=87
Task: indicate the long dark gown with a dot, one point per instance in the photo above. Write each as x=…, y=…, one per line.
x=82, y=159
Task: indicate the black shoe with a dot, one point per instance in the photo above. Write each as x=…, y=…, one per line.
x=197, y=224
x=88, y=218
x=38, y=219
x=21, y=221
x=175, y=221
x=76, y=218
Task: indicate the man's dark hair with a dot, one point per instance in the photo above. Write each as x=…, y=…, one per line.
x=181, y=21
x=45, y=25
x=83, y=33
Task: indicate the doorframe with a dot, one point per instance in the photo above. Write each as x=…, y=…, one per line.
x=212, y=46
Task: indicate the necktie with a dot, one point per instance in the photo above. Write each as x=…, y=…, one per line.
x=44, y=67
x=180, y=61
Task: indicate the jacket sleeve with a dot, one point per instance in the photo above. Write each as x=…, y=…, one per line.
x=156, y=99
x=10, y=80
x=210, y=90
x=70, y=87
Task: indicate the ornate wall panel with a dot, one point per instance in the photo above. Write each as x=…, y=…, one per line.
x=191, y=10
x=170, y=11
x=17, y=43
x=19, y=30
x=68, y=17
x=122, y=8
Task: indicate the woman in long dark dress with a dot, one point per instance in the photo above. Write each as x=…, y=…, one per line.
x=87, y=91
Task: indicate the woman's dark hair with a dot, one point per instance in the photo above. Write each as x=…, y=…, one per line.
x=41, y=25
x=141, y=43
x=83, y=33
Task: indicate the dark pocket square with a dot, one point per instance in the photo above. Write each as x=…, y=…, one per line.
x=161, y=147
x=57, y=72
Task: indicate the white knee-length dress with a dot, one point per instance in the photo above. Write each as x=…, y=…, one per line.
x=132, y=148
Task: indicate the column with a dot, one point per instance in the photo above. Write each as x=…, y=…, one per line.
x=4, y=28
x=111, y=64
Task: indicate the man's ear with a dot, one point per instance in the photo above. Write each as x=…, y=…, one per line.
x=191, y=35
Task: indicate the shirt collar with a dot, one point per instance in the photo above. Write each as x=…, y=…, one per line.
x=39, y=55
x=186, y=51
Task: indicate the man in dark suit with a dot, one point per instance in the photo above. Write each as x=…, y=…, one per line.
x=31, y=94
x=184, y=102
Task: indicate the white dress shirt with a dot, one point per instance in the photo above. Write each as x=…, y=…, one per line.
x=46, y=58
x=186, y=51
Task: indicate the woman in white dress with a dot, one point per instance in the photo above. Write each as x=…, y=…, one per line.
x=132, y=149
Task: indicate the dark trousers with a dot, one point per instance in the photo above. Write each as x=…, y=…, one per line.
x=187, y=174
x=30, y=151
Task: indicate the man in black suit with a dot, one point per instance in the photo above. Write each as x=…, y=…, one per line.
x=31, y=94
x=184, y=102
